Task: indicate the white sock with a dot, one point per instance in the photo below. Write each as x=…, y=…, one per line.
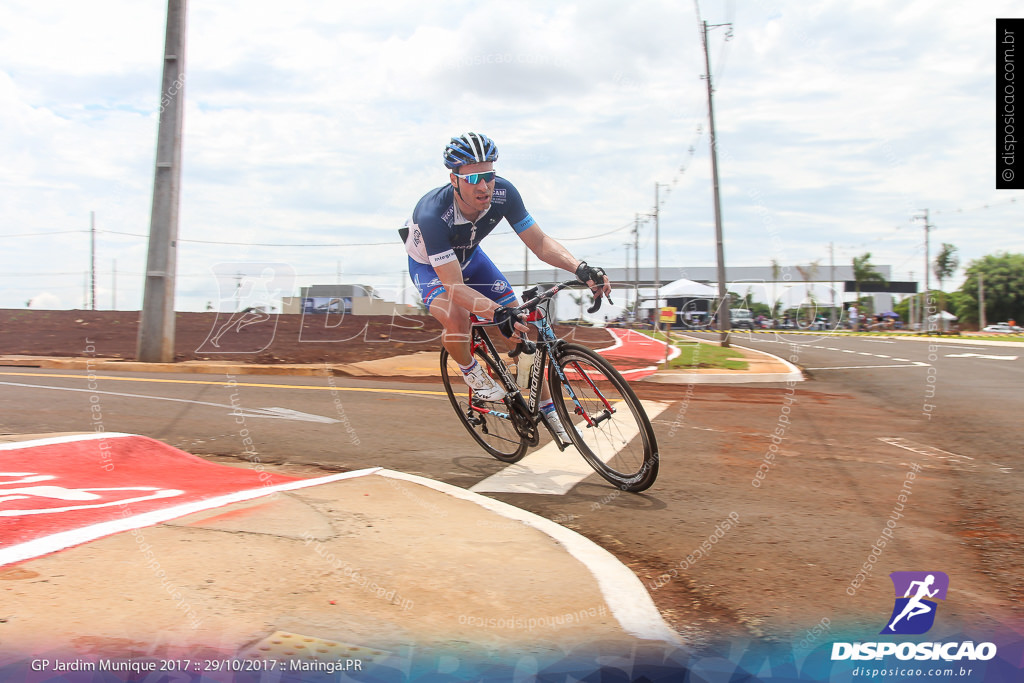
x=547, y=405
x=466, y=369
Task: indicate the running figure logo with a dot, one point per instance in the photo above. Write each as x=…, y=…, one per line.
x=914, y=612
x=244, y=323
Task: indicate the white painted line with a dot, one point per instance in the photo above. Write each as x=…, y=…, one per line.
x=979, y=355
x=554, y=472
x=648, y=369
x=626, y=597
x=917, y=364
x=68, y=438
x=928, y=451
x=276, y=413
x=65, y=539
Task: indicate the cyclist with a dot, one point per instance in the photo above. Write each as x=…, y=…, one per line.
x=456, y=278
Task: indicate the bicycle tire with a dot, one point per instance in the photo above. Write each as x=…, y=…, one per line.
x=496, y=435
x=621, y=445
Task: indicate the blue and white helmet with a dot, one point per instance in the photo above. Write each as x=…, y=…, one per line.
x=469, y=148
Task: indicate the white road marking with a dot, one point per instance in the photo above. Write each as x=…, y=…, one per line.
x=979, y=355
x=915, y=364
x=554, y=472
x=929, y=451
x=277, y=413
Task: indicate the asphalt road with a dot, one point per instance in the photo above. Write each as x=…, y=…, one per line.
x=810, y=472
x=966, y=393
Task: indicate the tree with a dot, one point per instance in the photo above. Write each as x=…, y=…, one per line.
x=1002, y=274
x=864, y=271
x=776, y=269
x=946, y=263
x=808, y=274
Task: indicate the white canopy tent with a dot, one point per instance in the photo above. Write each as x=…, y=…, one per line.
x=687, y=288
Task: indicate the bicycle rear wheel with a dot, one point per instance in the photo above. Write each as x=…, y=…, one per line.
x=490, y=423
x=604, y=418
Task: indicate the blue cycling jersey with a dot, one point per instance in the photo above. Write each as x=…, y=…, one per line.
x=439, y=233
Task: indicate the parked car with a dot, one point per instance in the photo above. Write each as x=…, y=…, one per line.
x=1005, y=328
x=741, y=318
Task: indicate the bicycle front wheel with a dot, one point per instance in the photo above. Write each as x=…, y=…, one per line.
x=604, y=418
x=490, y=424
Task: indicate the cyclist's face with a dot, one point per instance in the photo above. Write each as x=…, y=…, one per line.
x=476, y=197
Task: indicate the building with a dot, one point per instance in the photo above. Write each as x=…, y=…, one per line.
x=343, y=299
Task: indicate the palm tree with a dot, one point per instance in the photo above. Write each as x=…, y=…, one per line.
x=808, y=274
x=864, y=271
x=945, y=265
x=775, y=278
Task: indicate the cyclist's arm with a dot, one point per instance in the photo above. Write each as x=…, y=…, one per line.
x=551, y=252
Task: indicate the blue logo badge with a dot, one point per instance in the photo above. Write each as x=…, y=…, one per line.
x=914, y=610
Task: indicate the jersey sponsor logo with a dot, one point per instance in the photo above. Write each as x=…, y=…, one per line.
x=441, y=259
x=499, y=286
x=498, y=196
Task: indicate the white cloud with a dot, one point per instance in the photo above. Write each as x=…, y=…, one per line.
x=322, y=123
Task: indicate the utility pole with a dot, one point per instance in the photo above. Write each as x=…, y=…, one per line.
x=628, y=245
x=913, y=305
x=927, y=254
x=636, y=268
x=92, y=259
x=724, y=321
x=832, y=283
x=156, y=326
x=113, y=288
x=526, y=266
x=657, y=272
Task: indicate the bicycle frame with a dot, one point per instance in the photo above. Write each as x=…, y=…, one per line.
x=546, y=352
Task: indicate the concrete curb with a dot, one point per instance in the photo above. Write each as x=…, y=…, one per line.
x=629, y=601
x=790, y=372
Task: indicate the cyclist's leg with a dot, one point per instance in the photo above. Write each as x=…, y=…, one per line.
x=484, y=277
x=453, y=318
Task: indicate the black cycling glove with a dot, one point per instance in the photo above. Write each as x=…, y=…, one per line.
x=585, y=272
x=505, y=320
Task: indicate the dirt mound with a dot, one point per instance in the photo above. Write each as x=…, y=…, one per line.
x=247, y=337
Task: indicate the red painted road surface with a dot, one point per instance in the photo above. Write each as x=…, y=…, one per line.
x=59, y=492
x=635, y=355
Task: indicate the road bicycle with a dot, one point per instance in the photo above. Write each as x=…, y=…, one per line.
x=603, y=417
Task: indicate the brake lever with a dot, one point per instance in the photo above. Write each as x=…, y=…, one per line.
x=527, y=346
x=597, y=303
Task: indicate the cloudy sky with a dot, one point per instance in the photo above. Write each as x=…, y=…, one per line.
x=312, y=128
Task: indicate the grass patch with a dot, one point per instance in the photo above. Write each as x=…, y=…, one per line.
x=694, y=355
